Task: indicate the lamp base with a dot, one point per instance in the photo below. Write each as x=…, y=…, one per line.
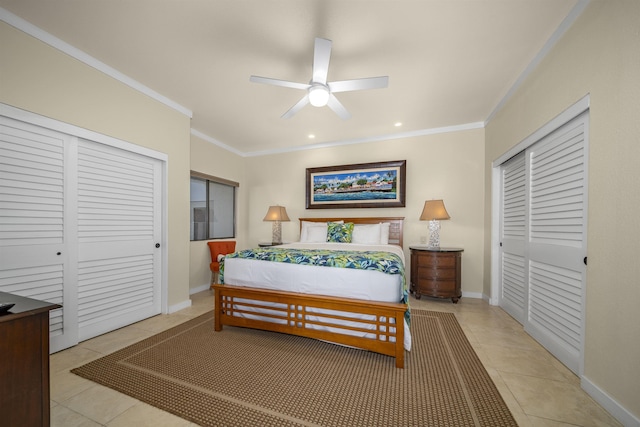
x=434, y=234
x=276, y=234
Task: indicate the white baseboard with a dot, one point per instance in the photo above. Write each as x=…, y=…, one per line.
x=187, y=303
x=471, y=295
x=179, y=306
x=200, y=288
x=611, y=405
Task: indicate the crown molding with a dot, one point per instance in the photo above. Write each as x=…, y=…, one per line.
x=56, y=43
x=214, y=141
x=375, y=138
x=557, y=35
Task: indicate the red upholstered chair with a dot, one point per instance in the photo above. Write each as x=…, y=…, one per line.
x=219, y=247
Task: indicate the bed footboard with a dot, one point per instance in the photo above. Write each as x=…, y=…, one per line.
x=294, y=313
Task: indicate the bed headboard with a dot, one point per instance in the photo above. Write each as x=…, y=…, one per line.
x=395, y=229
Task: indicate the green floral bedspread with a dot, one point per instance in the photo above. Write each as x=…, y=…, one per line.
x=385, y=262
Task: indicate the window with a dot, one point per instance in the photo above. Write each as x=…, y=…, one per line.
x=213, y=207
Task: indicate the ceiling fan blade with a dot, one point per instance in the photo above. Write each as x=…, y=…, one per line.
x=321, y=56
x=304, y=101
x=276, y=82
x=359, y=84
x=338, y=108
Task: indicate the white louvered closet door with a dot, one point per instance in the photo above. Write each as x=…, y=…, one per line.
x=513, y=216
x=119, y=226
x=36, y=225
x=543, y=238
x=557, y=241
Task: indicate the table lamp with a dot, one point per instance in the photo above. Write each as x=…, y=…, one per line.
x=277, y=214
x=434, y=211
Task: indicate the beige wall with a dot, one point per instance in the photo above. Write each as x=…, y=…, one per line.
x=40, y=79
x=600, y=56
x=215, y=161
x=448, y=166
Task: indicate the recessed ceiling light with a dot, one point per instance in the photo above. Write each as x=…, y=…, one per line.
x=311, y=136
x=397, y=124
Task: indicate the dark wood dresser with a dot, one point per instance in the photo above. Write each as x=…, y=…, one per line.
x=436, y=272
x=24, y=362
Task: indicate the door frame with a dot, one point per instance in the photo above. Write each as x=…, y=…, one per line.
x=76, y=131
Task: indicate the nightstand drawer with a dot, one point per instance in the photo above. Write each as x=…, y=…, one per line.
x=443, y=288
x=436, y=273
x=443, y=261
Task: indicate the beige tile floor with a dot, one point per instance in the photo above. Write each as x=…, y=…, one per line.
x=538, y=389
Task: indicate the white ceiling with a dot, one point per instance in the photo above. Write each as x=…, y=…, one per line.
x=449, y=62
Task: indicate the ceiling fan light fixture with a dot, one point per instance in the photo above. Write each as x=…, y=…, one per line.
x=321, y=93
x=318, y=95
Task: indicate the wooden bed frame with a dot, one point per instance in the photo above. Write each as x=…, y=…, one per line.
x=290, y=316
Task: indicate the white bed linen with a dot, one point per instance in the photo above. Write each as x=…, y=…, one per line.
x=339, y=282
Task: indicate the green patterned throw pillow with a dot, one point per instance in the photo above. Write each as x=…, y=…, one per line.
x=339, y=233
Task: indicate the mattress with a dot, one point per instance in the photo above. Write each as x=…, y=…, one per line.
x=318, y=280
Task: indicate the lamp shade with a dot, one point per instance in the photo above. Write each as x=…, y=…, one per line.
x=434, y=210
x=276, y=213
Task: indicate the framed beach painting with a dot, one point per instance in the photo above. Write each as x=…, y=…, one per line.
x=363, y=185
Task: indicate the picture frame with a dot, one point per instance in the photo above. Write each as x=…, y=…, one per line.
x=361, y=185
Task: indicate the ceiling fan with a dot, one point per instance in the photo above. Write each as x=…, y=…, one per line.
x=319, y=91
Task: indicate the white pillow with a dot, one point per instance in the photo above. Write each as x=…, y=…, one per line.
x=366, y=234
x=384, y=233
x=320, y=235
x=308, y=225
x=316, y=234
x=305, y=229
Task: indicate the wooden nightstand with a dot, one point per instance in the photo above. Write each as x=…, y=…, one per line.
x=436, y=272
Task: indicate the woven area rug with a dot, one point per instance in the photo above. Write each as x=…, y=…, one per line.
x=244, y=377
